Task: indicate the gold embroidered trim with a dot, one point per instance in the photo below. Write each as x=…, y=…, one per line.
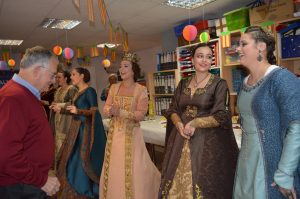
x=199, y=91
x=107, y=156
x=191, y=111
x=182, y=185
x=165, y=191
x=205, y=122
x=198, y=192
x=175, y=118
x=128, y=158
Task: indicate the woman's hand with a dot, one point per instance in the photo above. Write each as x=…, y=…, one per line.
x=189, y=130
x=114, y=110
x=72, y=109
x=288, y=193
x=55, y=107
x=180, y=129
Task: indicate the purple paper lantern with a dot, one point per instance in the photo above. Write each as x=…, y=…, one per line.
x=68, y=53
x=3, y=65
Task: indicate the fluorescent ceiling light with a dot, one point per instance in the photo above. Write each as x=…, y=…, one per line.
x=187, y=4
x=108, y=45
x=59, y=23
x=8, y=42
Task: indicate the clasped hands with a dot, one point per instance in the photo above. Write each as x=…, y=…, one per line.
x=56, y=108
x=114, y=110
x=186, y=131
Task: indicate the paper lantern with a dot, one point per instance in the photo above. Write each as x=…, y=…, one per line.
x=79, y=53
x=57, y=50
x=204, y=37
x=3, y=65
x=68, y=53
x=11, y=63
x=94, y=51
x=189, y=32
x=106, y=63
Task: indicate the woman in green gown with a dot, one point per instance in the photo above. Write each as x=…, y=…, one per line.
x=82, y=153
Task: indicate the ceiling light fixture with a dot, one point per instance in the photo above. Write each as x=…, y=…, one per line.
x=187, y=4
x=108, y=45
x=9, y=42
x=59, y=23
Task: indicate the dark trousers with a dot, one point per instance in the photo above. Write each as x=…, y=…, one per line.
x=22, y=191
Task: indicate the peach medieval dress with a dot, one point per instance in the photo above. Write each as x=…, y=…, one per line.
x=128, y=172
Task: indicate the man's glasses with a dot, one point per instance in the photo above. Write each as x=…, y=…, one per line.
x=53, y=75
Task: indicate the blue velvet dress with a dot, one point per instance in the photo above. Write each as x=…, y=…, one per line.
x=83, y=151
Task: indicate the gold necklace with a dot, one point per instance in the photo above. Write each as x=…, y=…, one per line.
x=198, y=83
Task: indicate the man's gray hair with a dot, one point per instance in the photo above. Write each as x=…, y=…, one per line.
x=34, y=55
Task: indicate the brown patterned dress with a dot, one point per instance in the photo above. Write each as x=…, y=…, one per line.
x=204, y=166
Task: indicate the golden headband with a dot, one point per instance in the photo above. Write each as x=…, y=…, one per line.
x=130, y=57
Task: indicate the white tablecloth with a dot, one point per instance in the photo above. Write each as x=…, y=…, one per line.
x=155, y=133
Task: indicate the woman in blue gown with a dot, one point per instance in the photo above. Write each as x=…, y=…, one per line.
x=82, y=153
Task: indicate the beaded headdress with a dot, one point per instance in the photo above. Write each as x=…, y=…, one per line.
x=130, y=57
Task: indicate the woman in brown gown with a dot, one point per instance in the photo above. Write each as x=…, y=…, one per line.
x=201, y=151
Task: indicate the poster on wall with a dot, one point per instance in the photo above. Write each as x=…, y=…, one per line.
x=5, y=75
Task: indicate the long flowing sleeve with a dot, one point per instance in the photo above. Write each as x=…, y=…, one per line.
x=287, y=96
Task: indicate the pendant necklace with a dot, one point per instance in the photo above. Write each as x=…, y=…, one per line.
x=196, y=84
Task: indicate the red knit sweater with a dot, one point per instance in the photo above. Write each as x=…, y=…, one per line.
x=26, y=141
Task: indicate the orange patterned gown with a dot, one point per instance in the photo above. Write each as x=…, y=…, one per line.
x=128, y=171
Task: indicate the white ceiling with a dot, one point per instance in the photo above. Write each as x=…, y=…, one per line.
x=144, y=20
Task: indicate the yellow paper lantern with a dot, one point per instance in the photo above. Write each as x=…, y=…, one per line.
x=106, y=63
x=94, y=51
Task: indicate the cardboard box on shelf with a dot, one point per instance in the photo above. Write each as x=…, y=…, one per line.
x=275, y=11
x=220, y=26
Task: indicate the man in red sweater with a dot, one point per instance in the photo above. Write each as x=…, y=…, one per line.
x=26, y=141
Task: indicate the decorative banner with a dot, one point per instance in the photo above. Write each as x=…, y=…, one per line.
x=204, y=37
x=57, y=50
x=102, y=10
x=106, y=63
x=189, y=32
x=105, y=51
x=91, y=11
x=225, y=39
x=11, y=63
x=113, y=55
x=5, y=55
x=79, y=52
x=68, y=53
x=94, y=51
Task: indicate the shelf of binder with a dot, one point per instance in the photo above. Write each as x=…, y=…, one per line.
x=164, y=83
x=166, y=61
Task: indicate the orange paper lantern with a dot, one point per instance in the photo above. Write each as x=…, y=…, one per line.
x=11, y=63
x=189, y=32
x=57, y=50
x=79, y=53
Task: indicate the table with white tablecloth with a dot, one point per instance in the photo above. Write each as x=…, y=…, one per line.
x=154, y=132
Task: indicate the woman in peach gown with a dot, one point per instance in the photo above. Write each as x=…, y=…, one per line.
x=128, y=171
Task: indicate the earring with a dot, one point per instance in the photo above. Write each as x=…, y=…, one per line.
x=259, y=57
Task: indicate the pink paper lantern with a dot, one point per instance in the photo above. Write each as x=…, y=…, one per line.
x=68, y=53
x=189, y=32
